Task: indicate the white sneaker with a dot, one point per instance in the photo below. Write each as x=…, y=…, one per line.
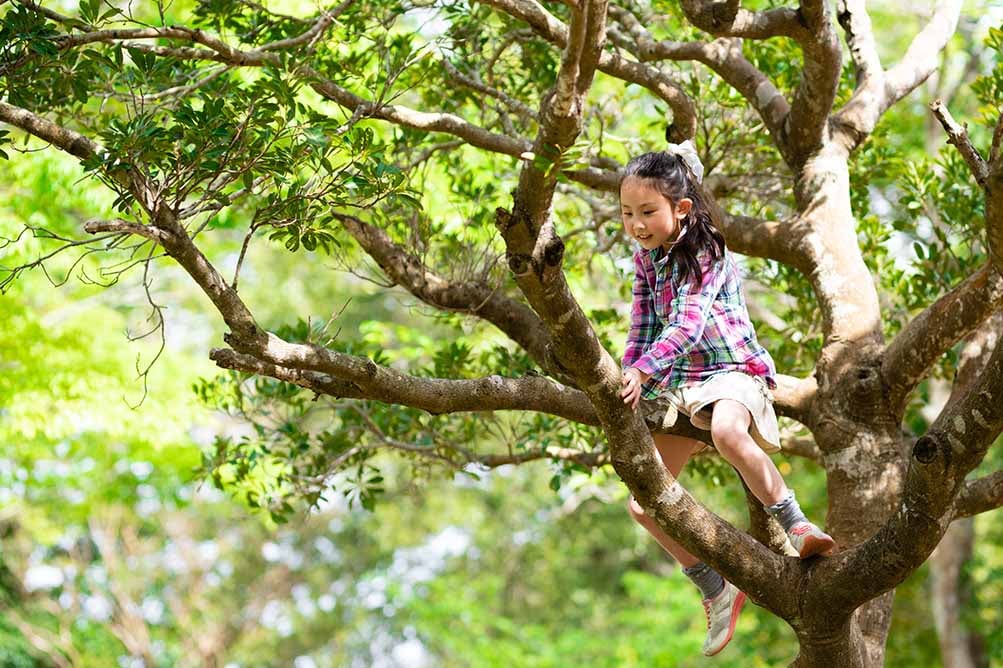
x=722, y=615
x=809, y=540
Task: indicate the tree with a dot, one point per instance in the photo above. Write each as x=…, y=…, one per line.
x=296, y=128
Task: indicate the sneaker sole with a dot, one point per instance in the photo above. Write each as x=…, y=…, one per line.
x=817, y=547
x=736, y=608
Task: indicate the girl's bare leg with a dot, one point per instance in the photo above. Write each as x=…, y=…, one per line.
x=675, y=451
x=729, y=428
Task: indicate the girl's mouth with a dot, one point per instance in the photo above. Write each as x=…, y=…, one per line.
x=643, y=237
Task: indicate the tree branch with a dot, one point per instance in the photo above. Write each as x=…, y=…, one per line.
x=437, y=396
x=878, y=90
x=980, y=495
x=852, y=16
x=726, y=18
x=807, y=124
x=118, y=225
x=986, y=493
x=922, y=57
x=723, y=56
x=515, y=319
x=766, y=239
x=556, y=32
x=994, y=202
x=939, y=462
x=911, y=354
x=958, y=137
x=67, y=140
x=535, y=255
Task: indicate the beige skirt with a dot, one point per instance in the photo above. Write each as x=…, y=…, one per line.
x=697, y=402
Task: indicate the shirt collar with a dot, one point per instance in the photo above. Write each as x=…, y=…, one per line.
x=659, y=256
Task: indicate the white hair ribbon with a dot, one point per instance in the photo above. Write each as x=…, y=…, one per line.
x=688, y=153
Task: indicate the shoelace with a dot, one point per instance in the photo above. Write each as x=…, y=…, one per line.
x=706, y=609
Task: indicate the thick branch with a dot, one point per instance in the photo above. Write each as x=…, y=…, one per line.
x=986, y=493
x=802, y=447
x=929, y=335
x=940, y=460
x=806, y=126
x=765, y=238
x=69, y=141
x=125, y=227
x=994, y=203
x=853, y=17
x=923, y=55
x=726, y=18
x=436, y=395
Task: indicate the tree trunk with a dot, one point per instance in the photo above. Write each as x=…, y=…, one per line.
x=853, y=424
x=841, y=649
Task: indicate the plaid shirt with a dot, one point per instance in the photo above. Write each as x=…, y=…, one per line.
x=684, y=334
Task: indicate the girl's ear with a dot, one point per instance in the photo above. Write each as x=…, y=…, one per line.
x=683, y=207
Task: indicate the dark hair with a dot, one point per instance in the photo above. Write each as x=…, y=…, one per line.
x=671, y=176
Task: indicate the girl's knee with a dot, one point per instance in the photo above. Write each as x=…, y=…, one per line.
x=730, y=439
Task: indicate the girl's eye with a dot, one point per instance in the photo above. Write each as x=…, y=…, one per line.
x=648, y=213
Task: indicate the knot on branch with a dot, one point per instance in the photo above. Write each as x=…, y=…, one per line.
x=722, y=15
x=503, y=219
x=520, y=263
x=224, y=357
x=925, y=450
x=553, y=254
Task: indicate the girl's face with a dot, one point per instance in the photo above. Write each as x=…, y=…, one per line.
x=648, y=216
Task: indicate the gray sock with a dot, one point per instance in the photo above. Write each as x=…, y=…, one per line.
x=706, y=578
x=787, y=512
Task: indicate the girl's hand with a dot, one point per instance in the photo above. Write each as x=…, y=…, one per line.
x=631, y=380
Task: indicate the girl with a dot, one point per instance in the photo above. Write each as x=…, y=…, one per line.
x=691, y=339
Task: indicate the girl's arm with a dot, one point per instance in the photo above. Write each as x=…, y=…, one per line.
x=643, y=321
x=690, y=309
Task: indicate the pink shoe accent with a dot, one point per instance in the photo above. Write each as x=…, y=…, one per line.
x=736, y=608
x=810, y=541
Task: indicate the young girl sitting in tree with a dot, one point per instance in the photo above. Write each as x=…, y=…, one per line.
x=691, y=339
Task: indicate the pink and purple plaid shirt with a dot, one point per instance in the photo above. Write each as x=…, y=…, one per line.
x=684, y=334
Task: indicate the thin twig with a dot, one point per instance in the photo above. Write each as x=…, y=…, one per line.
x=958, y=136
